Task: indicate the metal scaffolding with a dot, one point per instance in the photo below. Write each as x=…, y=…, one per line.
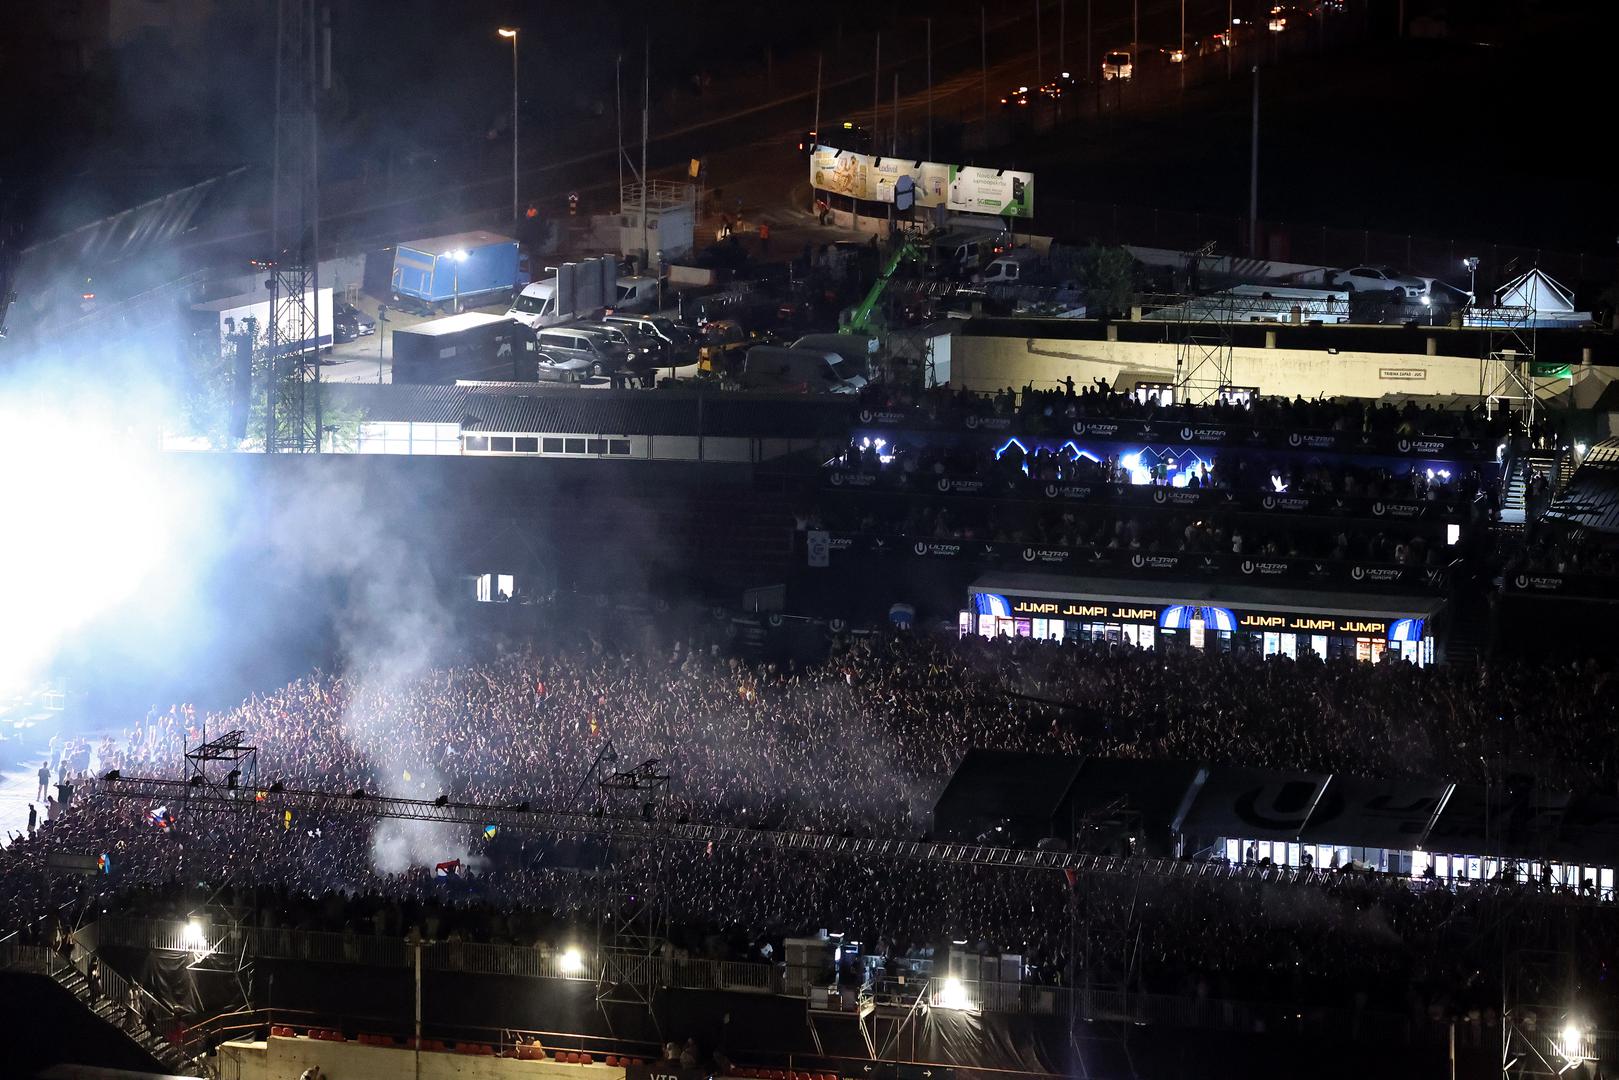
x=276, y=799
x=291, y=365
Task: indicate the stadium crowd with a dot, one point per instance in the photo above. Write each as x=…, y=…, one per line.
x=858, y=744
x=1035, y=410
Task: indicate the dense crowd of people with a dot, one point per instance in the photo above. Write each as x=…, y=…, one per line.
x=1101, y=537
x=861, y=743
x=1014, y=469
x=1055, y=409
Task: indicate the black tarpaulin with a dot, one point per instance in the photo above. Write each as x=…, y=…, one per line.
x=1254, y=804
x=1394, y=814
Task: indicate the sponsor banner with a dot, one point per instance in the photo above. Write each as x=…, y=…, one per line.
x=960, y=188
x=1171, y=565
x=1537, y=583
x=1245, y=619
x=819, y=546
x=975, y=190
x=1149, y=496
x=1216, y=435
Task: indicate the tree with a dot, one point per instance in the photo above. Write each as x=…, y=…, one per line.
x=1106, y=275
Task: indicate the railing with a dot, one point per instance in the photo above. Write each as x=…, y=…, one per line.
x=1094, y=1003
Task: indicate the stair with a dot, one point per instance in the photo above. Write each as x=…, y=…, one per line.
x=70, y=978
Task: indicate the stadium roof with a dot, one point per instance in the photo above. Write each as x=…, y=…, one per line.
x=1520, y=817
x=1592, y=496
x=531, y=407
x=996, y=785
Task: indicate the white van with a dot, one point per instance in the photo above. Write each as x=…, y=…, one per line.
x=636, y=295
x=1117, y=64
x=536, y=305
x=1012, y=268
x=805, y=371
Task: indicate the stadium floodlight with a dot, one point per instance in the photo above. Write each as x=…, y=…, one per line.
x=572, y=963
x=193, y=936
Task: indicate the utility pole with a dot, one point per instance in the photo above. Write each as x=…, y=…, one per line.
x=1090, y=52
x=1135, y=35
x=876, y=90
x=1253, y=176
x=418, y=1041
x=618, y=97
x=1183, y=45
x=816, y=138
x=983, y=62
x=1230, y=39
x=1039, y=75
x=646, y=101
x=511, y=32
x=1062, y=36
x=930, y=88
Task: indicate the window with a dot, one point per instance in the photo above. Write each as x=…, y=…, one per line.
x=477, y=442
x=575, y=446
x=619, y=447
x=553, y=446
x=526, y=444
x=598, y=446
x=500, y=443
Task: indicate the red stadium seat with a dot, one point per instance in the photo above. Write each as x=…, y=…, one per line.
x=586, y=1059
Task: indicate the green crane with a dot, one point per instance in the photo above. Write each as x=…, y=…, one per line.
x=858, y=319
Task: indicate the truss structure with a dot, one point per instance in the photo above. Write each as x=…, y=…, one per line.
x=1203, y=356
x=633, y=926
x=292, y=342
x=276, y=799
x=1507, y=371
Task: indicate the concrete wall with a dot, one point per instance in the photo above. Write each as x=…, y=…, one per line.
x=989, y=363
x=285, y=1059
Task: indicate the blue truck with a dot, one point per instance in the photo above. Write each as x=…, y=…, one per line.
x=455, y=271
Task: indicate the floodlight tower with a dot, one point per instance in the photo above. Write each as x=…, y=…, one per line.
x=292, y=360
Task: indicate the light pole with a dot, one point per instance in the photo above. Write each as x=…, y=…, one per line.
x=456, y=257
x=1471, y=263
x=511, y=32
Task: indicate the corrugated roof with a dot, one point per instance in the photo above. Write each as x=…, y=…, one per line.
x=532, y=407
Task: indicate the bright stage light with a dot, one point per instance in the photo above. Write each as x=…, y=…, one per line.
x=88, y=521
x=193, y=936
x=952, y=995
x=572, y=963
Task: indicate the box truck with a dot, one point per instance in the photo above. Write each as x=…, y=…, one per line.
x=456, y=271
x=472, y=346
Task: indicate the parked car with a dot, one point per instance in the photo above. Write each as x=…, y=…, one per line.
x=680, y=341
x=643, y=351
x=1379, y=279
x=604, y=356
x=349, y=323
x=562, y=370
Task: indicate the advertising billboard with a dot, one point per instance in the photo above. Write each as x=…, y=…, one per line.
x=968, y=189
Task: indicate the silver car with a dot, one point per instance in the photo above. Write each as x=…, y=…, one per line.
x=1380, y=279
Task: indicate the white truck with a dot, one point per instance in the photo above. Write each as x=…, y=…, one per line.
x=581, y=290
x=230, y=316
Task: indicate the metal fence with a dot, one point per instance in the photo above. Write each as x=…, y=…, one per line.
x=1096, y=1003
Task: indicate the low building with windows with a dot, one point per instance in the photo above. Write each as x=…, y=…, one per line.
x=1219, y=616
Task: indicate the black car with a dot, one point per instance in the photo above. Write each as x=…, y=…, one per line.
x=349, y=322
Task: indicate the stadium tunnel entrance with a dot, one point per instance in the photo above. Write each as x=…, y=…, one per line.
x=1222, y=618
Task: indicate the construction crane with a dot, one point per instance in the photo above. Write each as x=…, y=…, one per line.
x=858, y=319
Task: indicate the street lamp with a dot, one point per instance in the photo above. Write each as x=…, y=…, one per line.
x=456, y=257
x=1471, y=262
x=511, y=32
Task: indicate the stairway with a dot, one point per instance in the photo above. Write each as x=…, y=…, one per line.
x=106, y=1004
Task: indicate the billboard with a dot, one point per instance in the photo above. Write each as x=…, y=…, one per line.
x=966, y=189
